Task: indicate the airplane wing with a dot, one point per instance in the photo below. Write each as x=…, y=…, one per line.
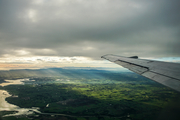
x=165, y=73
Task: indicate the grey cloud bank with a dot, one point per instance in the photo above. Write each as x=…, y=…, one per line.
x=90, y=28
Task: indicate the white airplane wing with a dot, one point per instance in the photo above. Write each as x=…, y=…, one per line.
x=165, y=73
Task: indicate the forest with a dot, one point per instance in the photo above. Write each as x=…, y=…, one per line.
x=91, y=95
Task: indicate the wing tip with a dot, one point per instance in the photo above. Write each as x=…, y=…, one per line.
x=105, y=55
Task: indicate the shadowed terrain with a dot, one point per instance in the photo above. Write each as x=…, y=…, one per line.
x=88, y=94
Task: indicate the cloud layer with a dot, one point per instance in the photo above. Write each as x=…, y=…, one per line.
x=90, y=28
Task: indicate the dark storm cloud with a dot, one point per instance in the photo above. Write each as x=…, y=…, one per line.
x=90, y=28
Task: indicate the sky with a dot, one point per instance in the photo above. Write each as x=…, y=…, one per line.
x=63, y=33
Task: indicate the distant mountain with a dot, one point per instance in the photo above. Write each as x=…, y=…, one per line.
x=76, y=73
x=49, y=72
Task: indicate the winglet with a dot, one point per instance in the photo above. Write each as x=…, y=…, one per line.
x=135, y=57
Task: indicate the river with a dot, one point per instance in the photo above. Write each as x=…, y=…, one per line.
x=5, y=106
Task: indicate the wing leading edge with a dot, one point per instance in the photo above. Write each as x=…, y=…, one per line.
x=165, y=73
